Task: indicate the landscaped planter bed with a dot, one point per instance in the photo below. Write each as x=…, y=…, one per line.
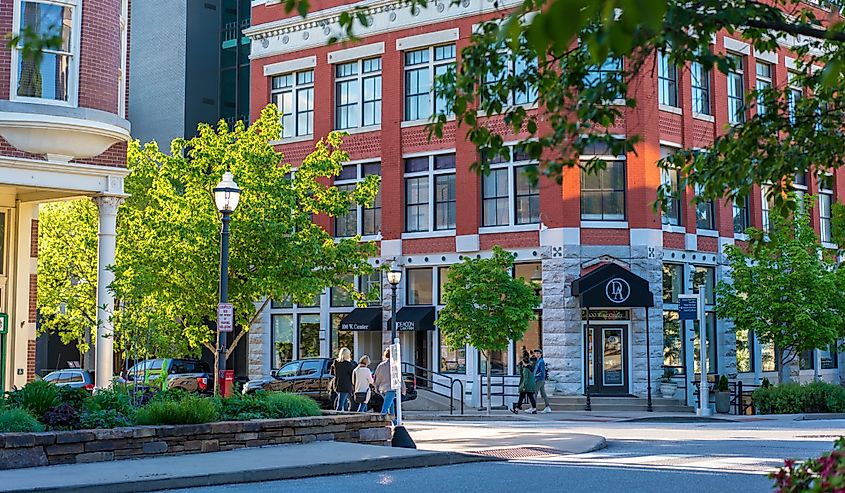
x=19, y=450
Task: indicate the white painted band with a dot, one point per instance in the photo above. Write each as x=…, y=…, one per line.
x=427, y=39
x=356, y=53
x=290, y=66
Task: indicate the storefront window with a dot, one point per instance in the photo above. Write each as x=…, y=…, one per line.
x=282, y=339
x=532, y=339
x=314, y=304
x=309, y=336
x=442, y=277
x=285, y=303
x=767, y=352
x=828, y=358
x=532, y=273
x=673, y=281
x=419, y=286
x=673, y=343
x=498, y=363
x=341, y=338
x=370, y=285
x=705, y=276
x=340, y=296
x=807, y=360
x=452, y=360
x=744, y=353
x=711, y=345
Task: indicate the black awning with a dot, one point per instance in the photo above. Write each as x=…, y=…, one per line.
x=612, y=286
x=362, y=319
x=414, y=318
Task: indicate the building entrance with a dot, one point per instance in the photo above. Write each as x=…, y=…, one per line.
x=607, y=359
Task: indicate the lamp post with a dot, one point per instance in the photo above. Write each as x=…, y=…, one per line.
x=401, y=438
x=394, y=277
x=226, y=198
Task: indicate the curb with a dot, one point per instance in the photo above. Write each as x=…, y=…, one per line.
x=268, y=474
x=820, y=416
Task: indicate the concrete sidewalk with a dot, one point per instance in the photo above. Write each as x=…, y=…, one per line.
x=607, y=416
x=217, y=468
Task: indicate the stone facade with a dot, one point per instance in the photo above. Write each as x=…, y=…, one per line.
x=18, y=450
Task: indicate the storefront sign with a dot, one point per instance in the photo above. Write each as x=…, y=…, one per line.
x=687, y=308
x=617, y=290
x=607, y=314
x=351, y=326
x=406, y=325
x=225, y=317
x=4, y=323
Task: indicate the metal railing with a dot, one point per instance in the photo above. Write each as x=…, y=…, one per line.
x=499, y=389
x=428, y=376
x=741, y=401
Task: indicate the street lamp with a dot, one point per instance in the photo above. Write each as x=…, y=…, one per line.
x=394, y=277
x=401, y=438
x=226, y=197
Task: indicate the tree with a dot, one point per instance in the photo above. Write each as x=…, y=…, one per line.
x=67, y=272
x=485, y=306
x=169, y=230
x=785, y=289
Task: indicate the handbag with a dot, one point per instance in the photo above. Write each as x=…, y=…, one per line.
x=362, y=397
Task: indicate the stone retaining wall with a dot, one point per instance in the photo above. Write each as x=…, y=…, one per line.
x=71, y=447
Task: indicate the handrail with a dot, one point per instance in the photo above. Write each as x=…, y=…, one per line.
x=432, y=381
x=503, y=385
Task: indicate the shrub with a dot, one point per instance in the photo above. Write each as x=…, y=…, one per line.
x=188, y=410
x=101, y=419
x=115, y=399
x=241, y=407
x=285, y=405
x=17, y=420
x=823, y=475
x=793, y=398
x=76, y=397
x=61, y=417
x=36, y=397
x=723, y=386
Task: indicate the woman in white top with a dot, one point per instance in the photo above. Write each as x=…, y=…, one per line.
x=362, y=379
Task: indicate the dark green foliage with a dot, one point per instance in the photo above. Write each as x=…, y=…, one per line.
x=285, y=405
x=36, y=397
x=823, y=475
x=104, y=418
x=722, y=386
x=76, y=397
x=17, y=420
x=62, y=417
x=793, y=398
x=189, y=410
x=115, y=399
x=267, y=405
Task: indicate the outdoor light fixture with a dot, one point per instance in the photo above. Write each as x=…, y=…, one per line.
x=227, y=194
x=394, y=277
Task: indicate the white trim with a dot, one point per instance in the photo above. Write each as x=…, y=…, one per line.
x=427, y=39
x=349, y=54
x=671, y=228
x=59, y=135
x=670, y=109
x=790, y=63
x=442, y=233
x=737, y=46
x=516, y=228
x=740, y=237
x=361, y=130
x=703, y=117
x=292, y=140
x=707, y=232
x=604, y=224
x=669, y=143
x=427, y=153
x=767, y=56
x=289, y=66
x=646, y=237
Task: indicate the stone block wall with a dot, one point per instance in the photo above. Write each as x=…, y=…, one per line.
x=18, y=450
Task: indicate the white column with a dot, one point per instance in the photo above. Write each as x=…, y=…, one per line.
x=107, y=206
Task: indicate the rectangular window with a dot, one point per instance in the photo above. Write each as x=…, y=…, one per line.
x=442, y=277
x=430, y=180
x=358, y=94
x=825, y=200
x=672, y=214
x=700, y=89
x=452, y=360
x=828, y=358
x=54, y=76
x=767, y=353
x=498, y=363
x=667, y=79
x=309, y=336
x=711, y=345
x=420, y=289
x=744, y=352
x=736, y=90
x=705, y=215
x=533, y=337
x=370, y=285
x=294, y=95
x=603, y=193
x=341, y=338
x=796, y=93
x=742, y=219
x=360, y=220
x=705, y=276
x=421, y=66
x=608, y=73
x=285, y=303
x=673, y=281
x=282, y=339
x=767, y=205
x=340, y=297
x=673, y=342
x=494, y=193
x=807, y=360
x=527, y=202
x=762, y=83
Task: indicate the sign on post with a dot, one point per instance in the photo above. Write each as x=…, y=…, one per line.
x=688, y=308
x=225, y=317
x=395, y=368
x=4, y=323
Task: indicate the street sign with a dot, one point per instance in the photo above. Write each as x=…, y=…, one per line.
x=395, y=367
x=225, y=317
x=688, y=308
x=4, y=323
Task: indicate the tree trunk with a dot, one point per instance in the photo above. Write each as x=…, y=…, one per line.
x=784, y=374
x=488, y=382
x=217, y=365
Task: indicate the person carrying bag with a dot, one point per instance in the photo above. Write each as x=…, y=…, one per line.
x=362, y=381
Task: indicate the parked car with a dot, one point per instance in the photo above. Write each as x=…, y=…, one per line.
x=312, y=377
x=71, y=377
x=165, y=373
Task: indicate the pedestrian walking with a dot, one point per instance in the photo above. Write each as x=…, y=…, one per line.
x=342, y=369
x=527, y=386
x=382, y=384
x=540, y=379
x=362, y=381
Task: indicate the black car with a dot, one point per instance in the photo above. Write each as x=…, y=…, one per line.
x=312, y=377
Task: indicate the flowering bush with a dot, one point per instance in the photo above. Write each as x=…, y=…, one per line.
x=823, y=475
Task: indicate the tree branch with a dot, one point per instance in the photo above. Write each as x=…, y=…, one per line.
x=209, y=347
x=235, y=343
x=796, y=29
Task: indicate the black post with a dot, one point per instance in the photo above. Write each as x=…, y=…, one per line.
x=589, y=406
x=392, y=313
x=648, y=361
x=224, y=283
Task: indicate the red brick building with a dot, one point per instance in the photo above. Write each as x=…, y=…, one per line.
x=434, y=210
x=63, y=134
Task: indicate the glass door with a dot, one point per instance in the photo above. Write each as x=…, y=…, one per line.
x=607, y=359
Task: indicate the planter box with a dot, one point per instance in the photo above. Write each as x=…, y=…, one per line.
x=19, y=450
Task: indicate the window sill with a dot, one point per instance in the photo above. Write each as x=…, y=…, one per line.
x=441, y=233
x=361, y=130
x=51, y=102
x=515, y=228
x=604, y=224
x=671, y=109
x=740, y=236
x=422, y=121
x=506, y=109
x=703, y=117
x=707, y=232
x=826, y=244
x=292, y=140
x=673, y=228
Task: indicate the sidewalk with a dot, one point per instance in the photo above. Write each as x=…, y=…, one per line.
x=218, y=468
x=608, y=416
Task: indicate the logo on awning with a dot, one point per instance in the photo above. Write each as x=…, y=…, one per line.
x=617, y=290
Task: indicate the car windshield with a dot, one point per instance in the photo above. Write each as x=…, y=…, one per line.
x=289, y=370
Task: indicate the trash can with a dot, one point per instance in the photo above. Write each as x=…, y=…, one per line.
x=227, y=382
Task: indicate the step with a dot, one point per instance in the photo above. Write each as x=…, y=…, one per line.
x=578, y=403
